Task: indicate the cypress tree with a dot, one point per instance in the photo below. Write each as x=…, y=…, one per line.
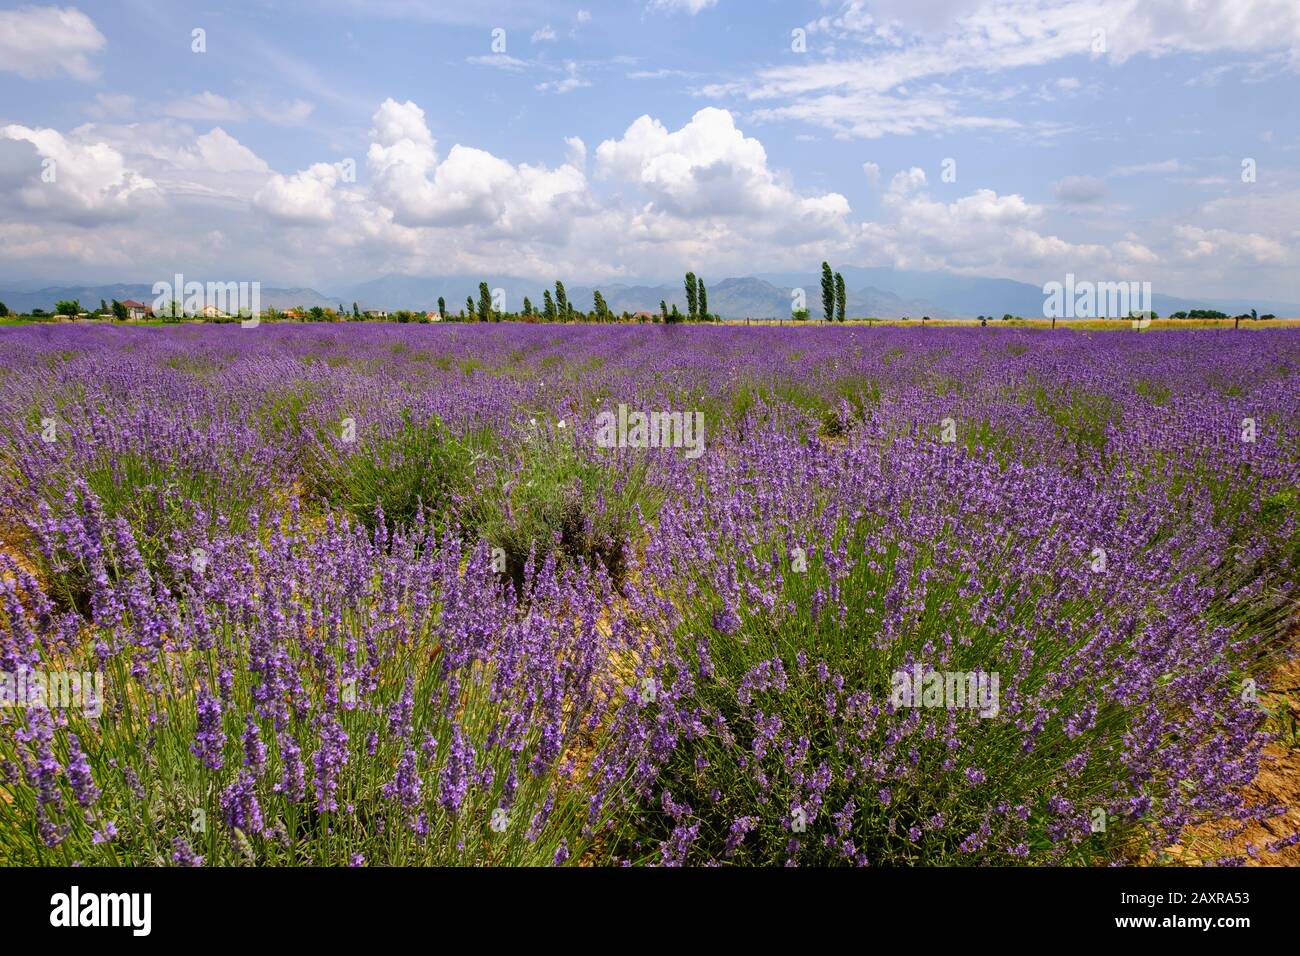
x=839, y=295
x=828, y=292
x=692, y=296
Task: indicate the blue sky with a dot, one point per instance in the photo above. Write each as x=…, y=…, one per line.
x=331, y=142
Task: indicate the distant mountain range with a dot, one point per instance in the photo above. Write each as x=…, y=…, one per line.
x=759, y=297
x=968, y=296
x=877, y=292
x=24, y=300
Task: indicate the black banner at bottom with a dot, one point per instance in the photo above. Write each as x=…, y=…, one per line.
x=142, y=906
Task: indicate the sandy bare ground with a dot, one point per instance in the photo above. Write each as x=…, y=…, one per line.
x=1278, y=782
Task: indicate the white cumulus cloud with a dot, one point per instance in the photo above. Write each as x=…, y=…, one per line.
x=709, y=168
x=47, y=41
x=470, y=187
x=72, y=180
x=304, y=198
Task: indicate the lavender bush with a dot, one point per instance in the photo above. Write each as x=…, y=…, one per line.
x=459, y=630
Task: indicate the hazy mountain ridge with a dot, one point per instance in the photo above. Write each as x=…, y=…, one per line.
x=733, y=298
x=89, y=296
x=872, y=291
x=968, y=296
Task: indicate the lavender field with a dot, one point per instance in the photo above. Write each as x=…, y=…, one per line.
x=395, y=595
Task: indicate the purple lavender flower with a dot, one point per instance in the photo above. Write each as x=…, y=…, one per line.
x=240, y=807
x=328, y=761
x=293, y=780
x=454, y=781
x=209, y=739
x=405, y=787
x=254, y=748
x=183, y=854
x=79, y=774
x=736, y=834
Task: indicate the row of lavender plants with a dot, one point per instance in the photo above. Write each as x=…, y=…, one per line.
x=373, y=596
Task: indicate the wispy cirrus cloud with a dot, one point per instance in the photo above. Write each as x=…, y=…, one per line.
x=1141, y=169
x=1080, y=190
x=571, y=80
x=212, y=107
x=681, y=6
x=499, y=61
x=873, y=75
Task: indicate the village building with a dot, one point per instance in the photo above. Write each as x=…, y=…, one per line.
x=137, y=310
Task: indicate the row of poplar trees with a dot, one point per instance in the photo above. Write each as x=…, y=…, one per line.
x=559, y=308
x=697, y=302
x=556, y=308
x=832, y=294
